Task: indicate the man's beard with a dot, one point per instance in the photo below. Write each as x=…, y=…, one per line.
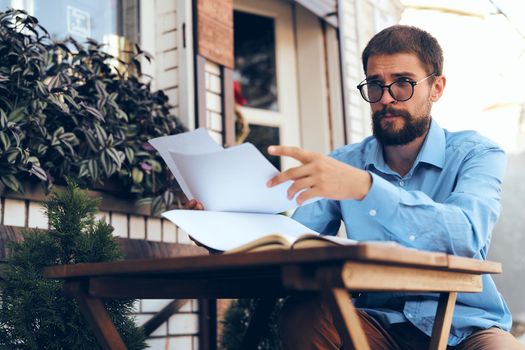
x=412, y=128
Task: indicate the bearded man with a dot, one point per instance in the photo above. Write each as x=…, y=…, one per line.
x=412, y=182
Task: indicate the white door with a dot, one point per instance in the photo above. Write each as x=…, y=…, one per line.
x=265, y=67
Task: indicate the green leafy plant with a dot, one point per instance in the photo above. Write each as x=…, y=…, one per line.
x=68, y=109
x=236, y=321
x=34, y=314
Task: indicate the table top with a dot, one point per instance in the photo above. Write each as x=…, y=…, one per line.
x=391, y=254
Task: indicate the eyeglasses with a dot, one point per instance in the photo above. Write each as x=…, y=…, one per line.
x=401, y=90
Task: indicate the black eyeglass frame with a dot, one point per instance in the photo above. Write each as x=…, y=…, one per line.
x=363, y=84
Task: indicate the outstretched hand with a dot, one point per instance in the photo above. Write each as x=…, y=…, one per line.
x=320, y=176
x=193, y=204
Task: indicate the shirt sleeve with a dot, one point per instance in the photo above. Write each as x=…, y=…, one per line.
x=461, y=225
x=322, y=216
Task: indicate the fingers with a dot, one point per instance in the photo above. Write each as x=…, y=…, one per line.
x=290, y=174
x=307, y=194
x=193, y=204
x=293, y=152
x=299, y=185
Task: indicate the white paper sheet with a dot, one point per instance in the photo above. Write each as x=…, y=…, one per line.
x=234, y=179
x=231, y=184
x=191, y=142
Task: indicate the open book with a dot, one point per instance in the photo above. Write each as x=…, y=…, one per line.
x=231, y=185
x=280, y=241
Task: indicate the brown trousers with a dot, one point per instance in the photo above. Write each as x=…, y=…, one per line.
x=306, y=324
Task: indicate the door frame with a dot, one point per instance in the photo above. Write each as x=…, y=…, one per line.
x=287, y=117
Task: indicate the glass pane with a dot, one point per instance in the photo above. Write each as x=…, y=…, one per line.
x=81, y=19
x=262, y=137
x=254, y=45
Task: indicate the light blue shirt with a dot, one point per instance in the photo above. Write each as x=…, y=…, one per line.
x=448, y=202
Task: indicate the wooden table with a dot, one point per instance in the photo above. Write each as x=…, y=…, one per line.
x=331, y=271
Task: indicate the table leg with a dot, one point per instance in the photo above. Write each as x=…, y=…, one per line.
x=346, y=319
x=443, y=320
x=258, y=323
x=96, y=315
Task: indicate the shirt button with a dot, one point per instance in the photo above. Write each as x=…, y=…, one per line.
x=409, y=315
x=372, y=212
x=402, y=183
x=412, y=238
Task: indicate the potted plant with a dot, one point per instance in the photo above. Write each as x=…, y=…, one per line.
x=73, y=109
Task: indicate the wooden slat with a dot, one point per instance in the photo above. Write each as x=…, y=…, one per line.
x=215, y=31
x=346, y=319
x=473, y=265
x=207, y=324
x=201, y=119
x=297, y=277
x=441, y=330
x=367, y=277
x=358, y=276
x=399, y=254
x=228, y=106
x=96, y=315
x=166, y=288
x=369, y=252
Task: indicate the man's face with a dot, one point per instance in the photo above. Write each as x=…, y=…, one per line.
x=399, y=123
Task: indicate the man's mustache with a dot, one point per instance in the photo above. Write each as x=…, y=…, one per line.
x=393, y=111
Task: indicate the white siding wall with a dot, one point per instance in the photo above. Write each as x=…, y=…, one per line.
x=214, y=115
x=361, y=19
x=166, y=72
x=180, y=332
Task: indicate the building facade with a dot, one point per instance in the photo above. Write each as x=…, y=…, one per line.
x=268, y=72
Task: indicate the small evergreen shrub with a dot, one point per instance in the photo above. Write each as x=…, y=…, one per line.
x=33, y=312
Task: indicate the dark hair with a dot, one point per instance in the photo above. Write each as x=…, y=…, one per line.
x=406, y=39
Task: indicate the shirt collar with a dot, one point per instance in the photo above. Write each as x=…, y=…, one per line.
x=432, y=151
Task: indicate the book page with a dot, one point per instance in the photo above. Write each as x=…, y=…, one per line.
x=309, y=241
x=192, y=142
x=269, y=242
x=234, y=179
x=226, y=230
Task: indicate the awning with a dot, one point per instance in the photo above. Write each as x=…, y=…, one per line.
x=324, y=9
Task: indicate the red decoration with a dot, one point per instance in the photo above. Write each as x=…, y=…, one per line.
x=239, y=99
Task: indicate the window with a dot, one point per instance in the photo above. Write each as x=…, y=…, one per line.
x=255, y=59
x=106, y=21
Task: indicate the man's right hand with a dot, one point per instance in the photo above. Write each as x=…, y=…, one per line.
x=193, y=204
